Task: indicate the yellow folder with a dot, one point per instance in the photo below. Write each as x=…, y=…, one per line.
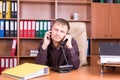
x=8, y=9
x=27, y=70
x=0, y=9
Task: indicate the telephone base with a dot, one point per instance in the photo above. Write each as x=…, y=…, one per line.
x=63, y=68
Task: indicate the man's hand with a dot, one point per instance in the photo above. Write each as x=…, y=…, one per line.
x=47, y=39
x=69, y=41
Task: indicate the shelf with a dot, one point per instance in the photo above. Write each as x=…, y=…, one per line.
x=27, y=59
x=37, y=1
x=75, y=1
x=82, y=9
x=79, y=20
x=37, y=10
x=28, y=38
x=26, y=45
x=8, y=18
x=36, y=19
x=7, y=56
x=7, y=38
x=27, y=56
x=5, y=46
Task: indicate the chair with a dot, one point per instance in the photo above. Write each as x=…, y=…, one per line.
x=78, y=32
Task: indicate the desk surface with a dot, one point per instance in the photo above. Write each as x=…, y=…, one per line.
x=83, y=73
x=73, y=75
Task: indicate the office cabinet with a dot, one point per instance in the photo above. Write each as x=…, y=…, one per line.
x=105, y=20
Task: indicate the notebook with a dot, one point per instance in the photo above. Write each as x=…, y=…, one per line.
x=109, y=52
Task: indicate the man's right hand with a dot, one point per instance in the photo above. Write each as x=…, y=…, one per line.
x=47, y=39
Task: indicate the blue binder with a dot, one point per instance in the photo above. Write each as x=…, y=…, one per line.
x=1, y=28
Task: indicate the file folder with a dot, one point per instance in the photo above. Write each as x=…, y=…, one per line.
x=1, y=28
x=4, y=9
x=37, y=28
x=15, y=28
x=7, y=29
x=12, y=28
x=0, y=9
x=15, y=3
x=13, y=49
x=25, y=26
x=29, y=28
x=41, y=29
x=8, y=9
x=27, y=71
x=21, y=32
x=12, y=9
x=33, y=29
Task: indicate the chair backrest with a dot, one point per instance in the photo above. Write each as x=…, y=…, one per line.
x=78, y=32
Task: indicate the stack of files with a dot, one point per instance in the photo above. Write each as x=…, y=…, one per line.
x=8, y=9
x=33, y=52
x=27, y=71
x=31, y=28
x=10, y=28
x=6, y=62
x=41, y=27
x=27, y=28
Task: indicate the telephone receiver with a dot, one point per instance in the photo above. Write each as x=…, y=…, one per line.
x=63, y=42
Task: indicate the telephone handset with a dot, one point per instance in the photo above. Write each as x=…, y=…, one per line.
x=63, y=42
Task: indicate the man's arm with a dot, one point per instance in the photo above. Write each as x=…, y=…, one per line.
x=42, y=55
x=73, y=55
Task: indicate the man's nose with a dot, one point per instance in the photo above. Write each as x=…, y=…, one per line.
x=58, y=32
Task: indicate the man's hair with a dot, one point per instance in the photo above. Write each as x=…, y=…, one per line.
x=62, y=22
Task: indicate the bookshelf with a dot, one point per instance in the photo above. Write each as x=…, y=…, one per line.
x=99, y=18
x=41, y=11
x=49, y=10
x=8, y=32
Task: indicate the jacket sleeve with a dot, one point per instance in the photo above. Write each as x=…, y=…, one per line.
x=42, y=55
x=73, y=55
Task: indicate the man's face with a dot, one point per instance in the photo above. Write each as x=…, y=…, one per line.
x=58, y=32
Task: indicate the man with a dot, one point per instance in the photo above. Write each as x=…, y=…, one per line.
x=50, y=51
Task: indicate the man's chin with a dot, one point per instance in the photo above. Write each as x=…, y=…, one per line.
x=57, y=41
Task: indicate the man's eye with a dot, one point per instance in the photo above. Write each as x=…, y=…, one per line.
x=62, y=32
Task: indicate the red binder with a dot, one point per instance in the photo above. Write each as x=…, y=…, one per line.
x=13, y=49
x=2, y=64
x=33, y=29
x=21, y=33
x=25, y=28
x=29, y=28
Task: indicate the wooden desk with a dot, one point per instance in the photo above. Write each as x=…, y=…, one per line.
x=73, y=75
